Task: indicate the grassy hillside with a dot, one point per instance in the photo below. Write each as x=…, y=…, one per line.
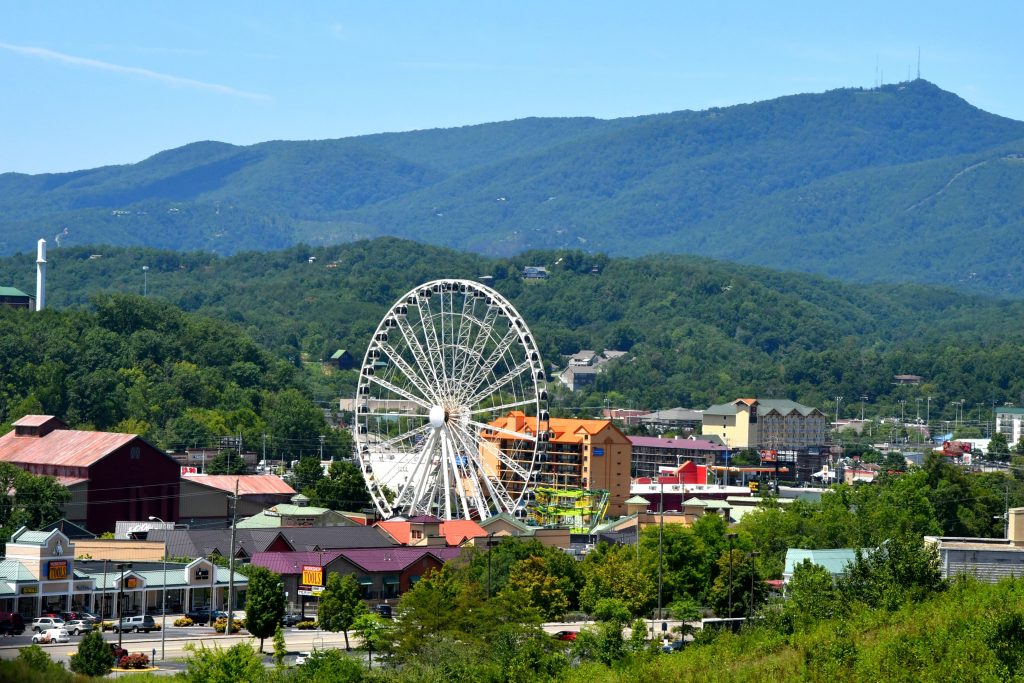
x=698, y=331
x=904, y=183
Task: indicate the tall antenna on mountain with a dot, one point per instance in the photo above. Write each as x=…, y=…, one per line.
x=876, y=69
x=919, y=62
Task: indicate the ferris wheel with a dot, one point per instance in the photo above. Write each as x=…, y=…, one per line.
x=450, y=404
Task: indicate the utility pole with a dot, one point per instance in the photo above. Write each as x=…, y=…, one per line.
x=231, y=561
x=321, y=448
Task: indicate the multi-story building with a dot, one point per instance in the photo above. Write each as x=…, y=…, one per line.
x=1008, y=423
x=580, y=454
x=651, y=453
x=766, y=424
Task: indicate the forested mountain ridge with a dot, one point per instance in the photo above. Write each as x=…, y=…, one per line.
x=900, y=183
x=698, y=331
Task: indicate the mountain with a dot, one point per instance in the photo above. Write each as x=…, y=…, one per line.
x=902, y=183
x=697, y=331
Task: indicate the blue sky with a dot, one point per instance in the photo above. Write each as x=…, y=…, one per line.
x=94, y=83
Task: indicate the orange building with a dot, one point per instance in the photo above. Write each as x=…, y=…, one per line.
x=580, y=454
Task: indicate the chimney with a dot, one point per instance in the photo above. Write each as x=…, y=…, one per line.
x=41, y=276
x=1015, y=526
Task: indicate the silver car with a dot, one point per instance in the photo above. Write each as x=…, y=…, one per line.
x=77, y=627
x=40, y=624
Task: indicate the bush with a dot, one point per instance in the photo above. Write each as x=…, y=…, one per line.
x=221, y=624
x=183, y=621
x=307, y=625
x=236, y=664
x=134, y=661
x=94, y=657
x=35, y=659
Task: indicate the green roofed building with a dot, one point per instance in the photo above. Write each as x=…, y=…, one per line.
x=298, y=513
x=15, y=298
x=835, y=560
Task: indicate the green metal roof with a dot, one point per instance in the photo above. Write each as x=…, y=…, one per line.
x=11, y=291
x=25, y=537
x=637, y=500
x=338, y=354
x=835, y=561
x=1010, y=411
x=12, y=570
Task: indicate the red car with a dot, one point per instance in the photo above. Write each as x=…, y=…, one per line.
x=565, y=635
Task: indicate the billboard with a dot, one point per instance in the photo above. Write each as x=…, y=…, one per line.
x=312, y=575
x=56, y=570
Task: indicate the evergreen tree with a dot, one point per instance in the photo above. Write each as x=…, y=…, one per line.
x=94, y=656
x=264, y=603
x=280, y=647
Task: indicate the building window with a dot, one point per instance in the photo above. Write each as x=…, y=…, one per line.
x=136, y=453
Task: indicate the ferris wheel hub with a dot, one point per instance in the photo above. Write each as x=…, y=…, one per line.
x=438, y=417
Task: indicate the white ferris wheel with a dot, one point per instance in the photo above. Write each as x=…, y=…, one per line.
x=449, y=358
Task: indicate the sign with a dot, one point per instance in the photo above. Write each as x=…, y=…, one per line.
x=83, y=586
x=29, y=590
x=312, y=576
x=202, y=575
x=56, y=570
x=312, y=590
x=185, y=469
x=131, y=582
x=598, y=451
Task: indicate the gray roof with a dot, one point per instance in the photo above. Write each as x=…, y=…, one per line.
x=203, y=542
x=673, y=414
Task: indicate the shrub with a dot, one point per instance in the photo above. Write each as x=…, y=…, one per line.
x=307, y=625
x=94, y=657
x=135, y=661
x=221, y=624
x=182, y=621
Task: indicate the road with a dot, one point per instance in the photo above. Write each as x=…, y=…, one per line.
x=177, y=638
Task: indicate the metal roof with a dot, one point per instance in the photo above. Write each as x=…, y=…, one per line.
x=834, y=560
x=678, y=444
x=12, y=570
x=33, y=421
x=248, y=484
x=25, y=536
x=395, y=559
x=68, y=447
x=11, y=291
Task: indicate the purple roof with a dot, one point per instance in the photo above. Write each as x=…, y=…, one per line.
x=291, y=562
x=679, y=444
x=367, y=559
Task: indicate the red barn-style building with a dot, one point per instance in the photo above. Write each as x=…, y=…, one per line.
x=111, y=476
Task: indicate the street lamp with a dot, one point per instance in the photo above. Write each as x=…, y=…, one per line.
x=120, y=600
x=163, y=622
x=731, y=537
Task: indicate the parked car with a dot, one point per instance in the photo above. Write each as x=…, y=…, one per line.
x=117, y=651
x=384, y=611
x=302, y=658
x=135, y=624
x=40, y=624
x=84, y=616
x=11, y=624
x=51, y=635
x=77, y=627
x=199, y=616
x=565, y=635
x=291, y=619
x=674, y=646
x=237, y=615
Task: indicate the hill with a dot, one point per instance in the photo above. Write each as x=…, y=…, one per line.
x=698, y=331
x=903, y=183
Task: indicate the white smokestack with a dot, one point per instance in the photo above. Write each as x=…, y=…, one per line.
x=41, y=276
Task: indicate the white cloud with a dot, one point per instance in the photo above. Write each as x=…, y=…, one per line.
x=52, y=56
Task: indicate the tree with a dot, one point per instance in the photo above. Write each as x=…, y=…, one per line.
x=813, y=595
x=532, y=577
x=280, y=647
x=340, y=604
x=998, y=448
x=227, y=462
x=614, y=573
x=900, y=571
x=264, y=602
x=307, y=473
x=94, y=656
x=332, y=665
x=374, y=633
x=214, y=665
x=745, y=578
x=342, y=489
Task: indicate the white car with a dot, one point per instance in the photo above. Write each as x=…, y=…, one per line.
x=51, y=635
x=302, y=658
x=40, y=624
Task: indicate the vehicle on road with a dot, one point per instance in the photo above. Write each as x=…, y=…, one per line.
x=77, y=627
x=674, y=646
x=11, y=624
x=51, y=635
x=40, y=624
x=565, y=635
x=291, y=619
x=384, y=611
x=145, y=624
x=302, y=658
